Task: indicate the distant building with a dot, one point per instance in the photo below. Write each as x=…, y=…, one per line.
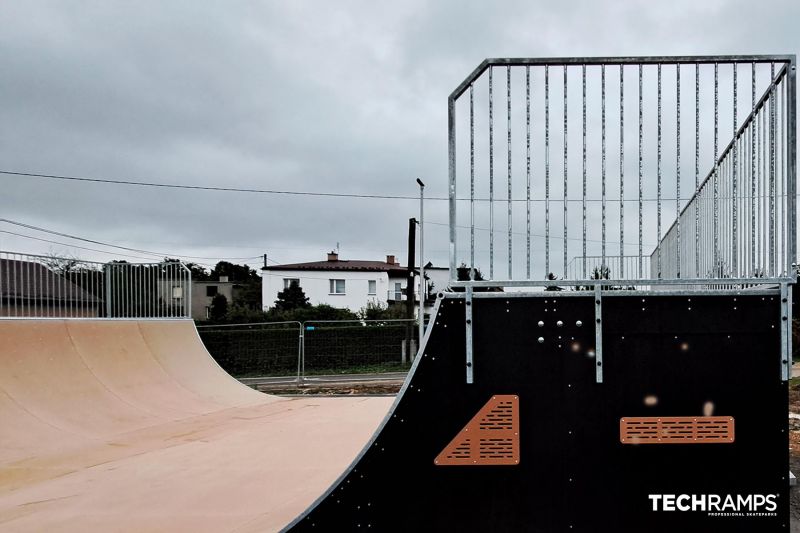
x=350, y=284
x=203, y=293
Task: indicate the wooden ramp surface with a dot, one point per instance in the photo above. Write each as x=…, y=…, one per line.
x=128, y=425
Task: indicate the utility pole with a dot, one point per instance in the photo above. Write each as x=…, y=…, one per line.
x=422, y=291
x=412, y=233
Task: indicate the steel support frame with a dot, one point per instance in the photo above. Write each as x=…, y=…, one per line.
x=468, y=328
x=786, y=331
x=598, y=332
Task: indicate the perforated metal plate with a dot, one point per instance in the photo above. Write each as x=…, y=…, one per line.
x=676, y=430
x=490, y=438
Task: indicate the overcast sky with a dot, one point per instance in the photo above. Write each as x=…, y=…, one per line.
x=297, y=95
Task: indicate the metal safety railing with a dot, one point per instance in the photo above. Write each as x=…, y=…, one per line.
x=61, y=287
x=317, y=347
x=596, y=157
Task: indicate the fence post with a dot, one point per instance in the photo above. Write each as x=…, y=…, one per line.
x=300, y=353
x=107, y=272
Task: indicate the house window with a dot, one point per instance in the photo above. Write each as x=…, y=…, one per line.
x=337, y=286
x=211, y=290
x=398, y=291
x=287, y=282
x=372, y=287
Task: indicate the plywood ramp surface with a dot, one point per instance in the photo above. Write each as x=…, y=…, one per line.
x=132, y=426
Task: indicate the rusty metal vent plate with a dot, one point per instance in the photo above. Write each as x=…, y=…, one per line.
x=490, y=438
x=676, y=430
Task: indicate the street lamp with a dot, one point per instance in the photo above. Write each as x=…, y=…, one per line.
x=421, y=261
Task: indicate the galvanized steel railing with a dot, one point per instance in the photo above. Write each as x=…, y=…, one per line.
x=58, y=287
x=605, y=180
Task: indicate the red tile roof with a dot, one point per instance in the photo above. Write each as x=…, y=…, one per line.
x=343, y=265
x=31, y=280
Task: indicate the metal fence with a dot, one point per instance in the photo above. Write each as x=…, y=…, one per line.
x=260, y=349
x=595, y=157
x=312, y=348
x=61, y=287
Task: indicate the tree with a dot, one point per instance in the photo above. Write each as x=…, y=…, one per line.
x=237, y=273
x=291, y=298
x=377, y=311
x=199, y=273
x=462, y=273
x=219, y=307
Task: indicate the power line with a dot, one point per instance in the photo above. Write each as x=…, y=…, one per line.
x=138, y=183
x=75, y=246
x=135, y=250
x=209, y=188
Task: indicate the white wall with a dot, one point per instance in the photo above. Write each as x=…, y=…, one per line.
x=316, y=286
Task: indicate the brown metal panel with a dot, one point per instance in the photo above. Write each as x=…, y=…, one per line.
x=676, y=430
x=490, y=438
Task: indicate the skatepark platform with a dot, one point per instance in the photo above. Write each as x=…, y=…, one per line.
x=126, y=425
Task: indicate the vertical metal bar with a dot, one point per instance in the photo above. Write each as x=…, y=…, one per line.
x=678, y=169
x=27, y=286
x=751, y=128
x=641, y=253
x=765, y=192
x=758, y=125
x=508, y=124
x=35, y=295
x=299, y=352
x=697, y=170
x=786, y=340
x=734, y=185
x=528, y=169
x=598, y=333
x=126, y=269
x=772, y=170
x=784, y=202
x=621, y=171
x=715, y=262
x=451, y=170
x=566, y=174
x=659, y=175
x=583, y=201
x=471, y=182
x=547, y=169
x=491, y=174
x=188, y=278
x=468, y=328
x=140, y=291
x=603, y=164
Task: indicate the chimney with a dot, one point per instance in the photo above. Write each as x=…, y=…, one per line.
x=223, y=279
x=333, y=256
x=391, y=260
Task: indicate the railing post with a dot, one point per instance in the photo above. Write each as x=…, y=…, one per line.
x=300, y=352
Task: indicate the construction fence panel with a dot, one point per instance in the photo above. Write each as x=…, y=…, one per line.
x=254, y=350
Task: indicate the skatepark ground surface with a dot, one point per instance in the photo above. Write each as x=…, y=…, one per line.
x=125, y=425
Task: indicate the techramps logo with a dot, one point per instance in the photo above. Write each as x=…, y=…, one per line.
x=718, y=505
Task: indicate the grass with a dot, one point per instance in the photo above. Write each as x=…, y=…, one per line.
x=356, y=369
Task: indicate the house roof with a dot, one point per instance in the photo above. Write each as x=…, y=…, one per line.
x=343, y=265
x=31, y=280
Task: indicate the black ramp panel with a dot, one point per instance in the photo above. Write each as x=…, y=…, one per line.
x=662, y=356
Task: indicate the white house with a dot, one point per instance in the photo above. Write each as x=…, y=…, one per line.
x=339, y=283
